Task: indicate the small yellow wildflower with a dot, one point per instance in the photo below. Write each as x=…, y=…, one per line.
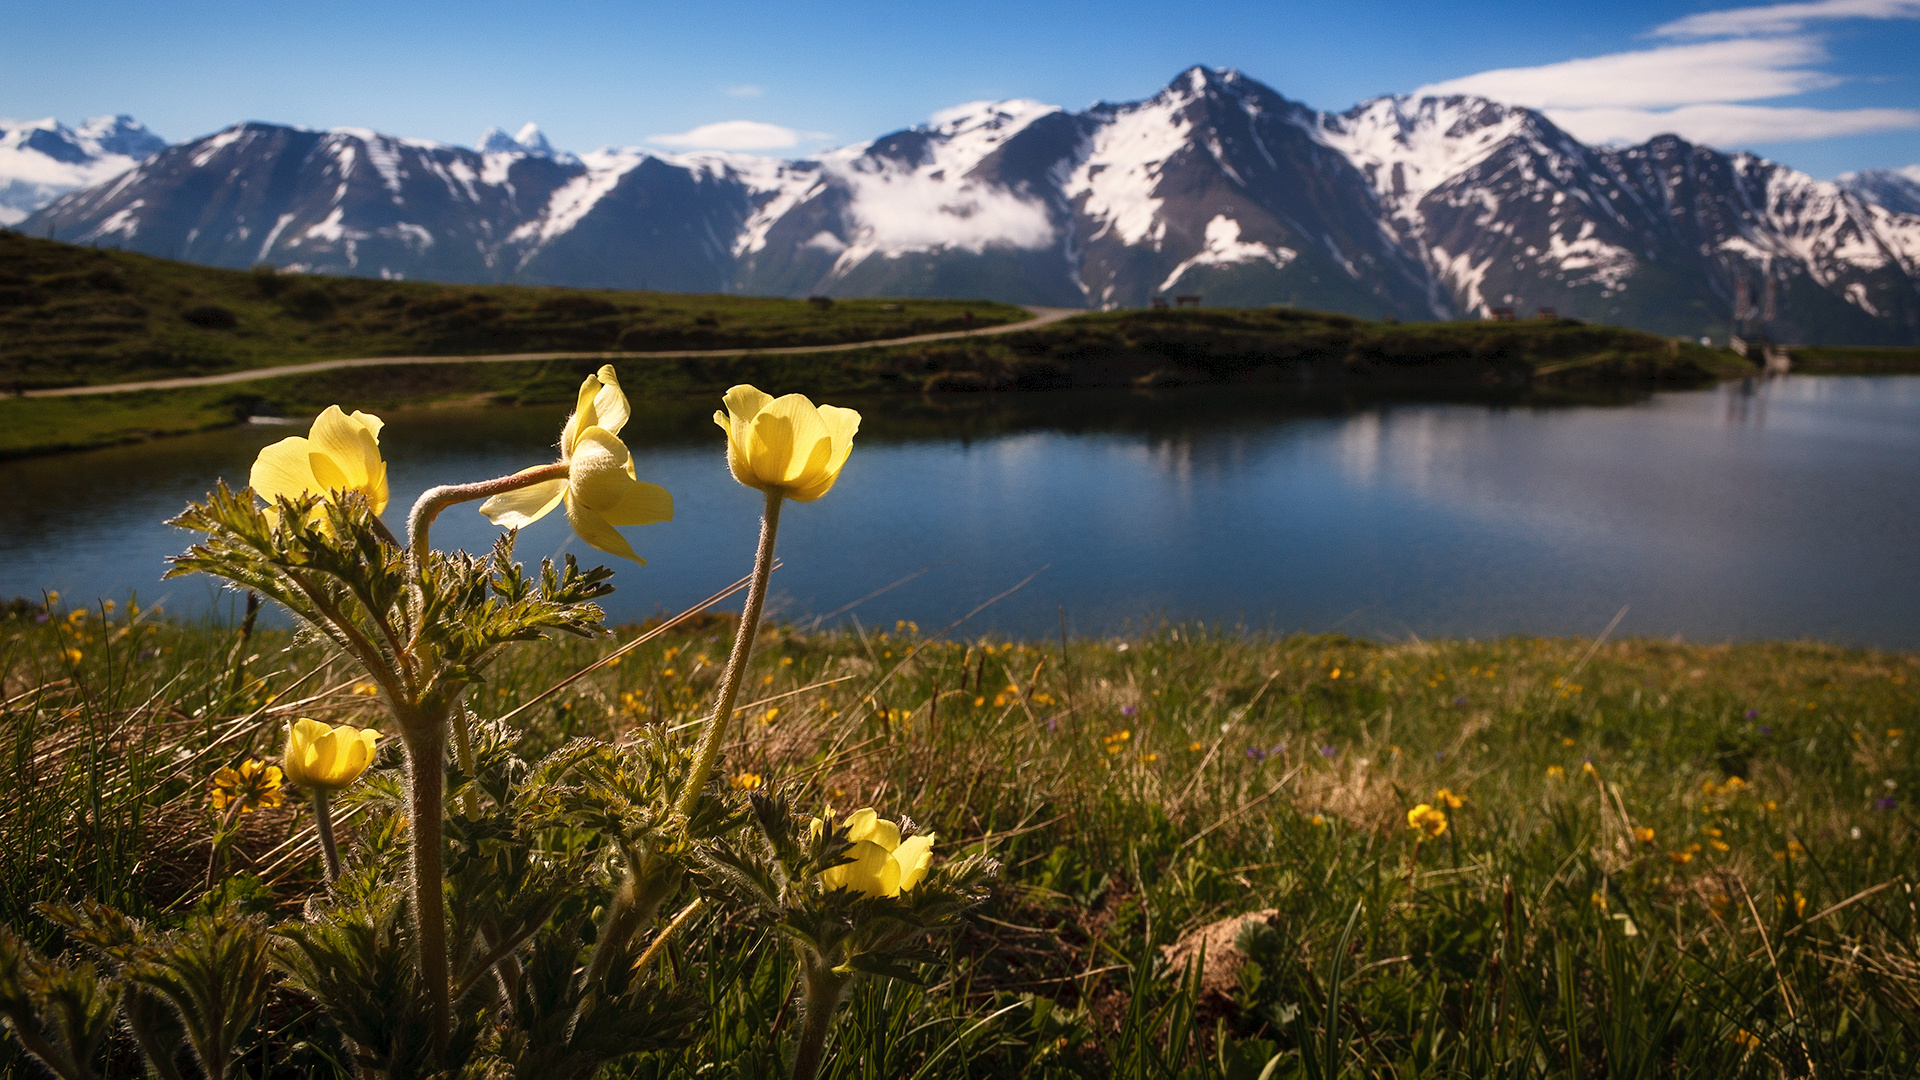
x=1644, y=834
x=1446, y=798
x=1555, y=772
x=253, y=785
x=1194, y=747
x=747, y=781
x=979, y=701
x=883, y=863
x=366, y=689
x=1151, y=758
x=1747, y=1039
x=73, y=655
x=1429, y=821
x=1317, y=821
x=1566, y=742
x=1680, y=858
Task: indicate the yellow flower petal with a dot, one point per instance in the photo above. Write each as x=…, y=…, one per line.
x=593, y=528
x=519, y=509
x=872, y=871
x=282, y=471
x=860, y=823
x=914, y=856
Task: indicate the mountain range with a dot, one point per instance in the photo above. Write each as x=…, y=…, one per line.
x=1217, y=186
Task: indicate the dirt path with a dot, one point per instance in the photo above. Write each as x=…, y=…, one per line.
x=1041, y=317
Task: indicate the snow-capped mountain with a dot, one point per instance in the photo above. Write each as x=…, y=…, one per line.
x=40, y=160
x=1895, y=189
x=1216, y=186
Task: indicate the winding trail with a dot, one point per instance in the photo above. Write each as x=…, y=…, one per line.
x=1041, y=317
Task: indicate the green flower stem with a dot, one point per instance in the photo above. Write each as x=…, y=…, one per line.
x=634, y=903
x=426, y=789
x=436, y=499
x=716, y=731
x=463, y=753
x=323, y=826
x=823, y=988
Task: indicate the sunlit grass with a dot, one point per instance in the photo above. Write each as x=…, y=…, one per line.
x=1666, y=859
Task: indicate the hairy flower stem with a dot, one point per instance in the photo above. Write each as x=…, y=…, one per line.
x=323, y=827
x=419, y=525
x=823, y=988
x=426, y=790
x=716, y=731
x=436, y=499
x=633, y=906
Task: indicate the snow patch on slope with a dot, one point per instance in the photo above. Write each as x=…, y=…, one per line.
x=1117, y=178
x=1225, y=247
x=577, y=197
x=1406, y=147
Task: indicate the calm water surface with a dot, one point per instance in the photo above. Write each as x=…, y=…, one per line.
x=1780, y=510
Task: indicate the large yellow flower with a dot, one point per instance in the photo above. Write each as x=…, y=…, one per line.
x=883, y=864
x=340, y=454
x=786, y=445
x=600, y=490
x=326, y=757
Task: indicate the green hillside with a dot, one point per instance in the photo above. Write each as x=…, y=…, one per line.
x=71, y=315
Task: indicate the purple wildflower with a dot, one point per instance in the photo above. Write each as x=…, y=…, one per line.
x=1128, y=710
x=1766, y=729
x=1752, y=713
x=1255, y=754
x=1460, y=702
x=1886, y=802
x=1329, y=751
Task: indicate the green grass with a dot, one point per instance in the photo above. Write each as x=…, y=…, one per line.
x=1136, y=789
x=74, y=316
x=1312, y=354
x=1856, y=359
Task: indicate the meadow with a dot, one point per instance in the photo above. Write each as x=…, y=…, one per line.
x=1650, y=858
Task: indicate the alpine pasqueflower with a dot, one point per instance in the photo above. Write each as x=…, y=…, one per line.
x=341, y=453
x=323, y=756
x=600, y=490
x=883, y=864
x=786, y=445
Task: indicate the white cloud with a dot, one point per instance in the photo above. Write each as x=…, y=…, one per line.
x=1693, y=90
x=1728, y=124
x=743, y=90
x=1784, y=18
x=736, y=135
x=1716, y=71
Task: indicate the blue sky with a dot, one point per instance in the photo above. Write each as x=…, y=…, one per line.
x=791, y=77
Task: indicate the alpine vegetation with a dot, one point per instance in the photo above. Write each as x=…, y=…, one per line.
x=499, y=911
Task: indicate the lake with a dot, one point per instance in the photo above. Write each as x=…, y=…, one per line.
x=1781, y=509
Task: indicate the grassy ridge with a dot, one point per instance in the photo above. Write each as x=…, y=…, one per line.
x=1856, y=360
x=71, y=315
x=1668, y=859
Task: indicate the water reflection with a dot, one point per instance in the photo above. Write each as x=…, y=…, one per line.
x=1777, y=509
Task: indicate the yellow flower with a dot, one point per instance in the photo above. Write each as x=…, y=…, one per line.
x=1449, y=799
x=253, y=785
x=1427, y=820
x=1644, y=834
x=326, y=757
x=341, y=453
x=600, y=490
x=74, y=656
x=1555, y=772
x=883, y=864
x=747, y=781
x=786, y=445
